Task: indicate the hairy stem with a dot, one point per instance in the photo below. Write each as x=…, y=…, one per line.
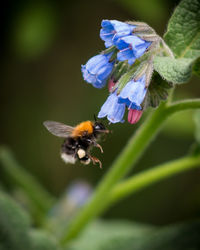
x=122, y=165
x=156, y=174
x=183, y=105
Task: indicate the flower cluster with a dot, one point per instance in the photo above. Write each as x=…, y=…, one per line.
x=126, y=65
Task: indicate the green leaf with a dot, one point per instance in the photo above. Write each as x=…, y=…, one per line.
x=157, y=91
x=183, y=33
x=42, y=240
x=14, y=223
x=131, y=236
x=183, y=38
x=173, y=70
x=15, y=229
x=110, y=236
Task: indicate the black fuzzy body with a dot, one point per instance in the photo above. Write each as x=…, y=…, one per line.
x=71, y=145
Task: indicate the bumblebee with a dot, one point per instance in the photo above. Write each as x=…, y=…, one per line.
x=78, y=140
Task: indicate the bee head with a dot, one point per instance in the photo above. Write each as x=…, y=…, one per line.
x=99, y=127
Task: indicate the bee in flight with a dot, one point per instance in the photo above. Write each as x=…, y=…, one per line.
x=78, y=140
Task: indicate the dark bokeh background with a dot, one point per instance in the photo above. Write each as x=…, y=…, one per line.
x=44, y=44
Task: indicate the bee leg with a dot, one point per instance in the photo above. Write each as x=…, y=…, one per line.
x=98, y=146
x=95, y=144
x=95, y=160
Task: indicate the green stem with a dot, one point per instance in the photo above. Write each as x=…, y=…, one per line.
x=156, y=174
x=40, y=199
x=122, y=165
x=183, y=105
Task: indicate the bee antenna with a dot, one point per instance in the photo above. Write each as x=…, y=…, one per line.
x=95, y=118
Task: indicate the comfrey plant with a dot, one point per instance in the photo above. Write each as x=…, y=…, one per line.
x=127, y=66
x=141, y=69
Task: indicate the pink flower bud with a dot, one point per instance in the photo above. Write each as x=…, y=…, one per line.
x=111, y=84
x=134, y=115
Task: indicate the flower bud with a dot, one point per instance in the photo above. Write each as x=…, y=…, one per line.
x=111, y=84
x=134, y=115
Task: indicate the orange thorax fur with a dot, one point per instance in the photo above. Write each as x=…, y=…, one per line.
x=83, y=128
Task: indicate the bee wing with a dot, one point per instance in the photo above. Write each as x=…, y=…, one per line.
x=58, y=129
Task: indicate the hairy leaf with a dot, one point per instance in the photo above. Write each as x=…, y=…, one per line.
x=183, y=33
x=157, y=91
x=15, y=229
x=130, y=236
x=14, y=223
x=183, y=37
x=41, y=240
x=110, y=236
x=174, y=70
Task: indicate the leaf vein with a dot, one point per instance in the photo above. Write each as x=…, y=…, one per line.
x=189, y=45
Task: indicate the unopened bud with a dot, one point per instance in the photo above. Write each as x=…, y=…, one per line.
x=134, y=115
x=111, y=84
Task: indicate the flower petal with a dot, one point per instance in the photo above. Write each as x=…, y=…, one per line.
x=112, y=30
x=117, y=113
x=97, y=70
x=125, y=54
x=133, y=93
x=95, y=63
x=131, y=47
x=107, y=34
x=138, y=91
x=140, y=49
x=107, y=106
x=112, y=109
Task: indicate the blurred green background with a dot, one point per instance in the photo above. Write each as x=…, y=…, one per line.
x=44, y=44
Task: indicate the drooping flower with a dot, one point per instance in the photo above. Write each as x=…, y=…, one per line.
x=134, y=115
x=133, y=93
x=97, y=70
x=131, y=48
x=126, y=42
x=112, y=109
x=112, y=30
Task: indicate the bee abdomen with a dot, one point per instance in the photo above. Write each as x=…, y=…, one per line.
x=85, y=160
x=69, y=146
x=67, y=158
